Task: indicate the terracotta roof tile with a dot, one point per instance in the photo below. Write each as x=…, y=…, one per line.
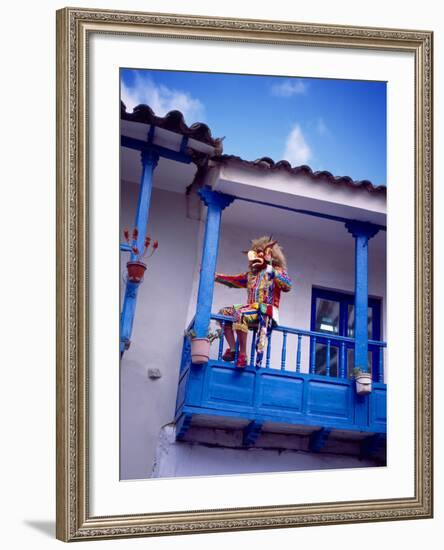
x=174, y=121
x=266, y=163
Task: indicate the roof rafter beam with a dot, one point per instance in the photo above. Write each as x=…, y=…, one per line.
x=308, y=212
x=140, y=145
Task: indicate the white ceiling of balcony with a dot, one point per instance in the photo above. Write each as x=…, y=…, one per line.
x=260, y=219
x=175, y=177
x=169, y=174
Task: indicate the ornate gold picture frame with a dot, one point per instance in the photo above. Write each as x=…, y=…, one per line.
x=75, y=27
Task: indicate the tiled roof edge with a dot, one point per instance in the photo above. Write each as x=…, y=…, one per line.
x=266, y=163
x=173, y=121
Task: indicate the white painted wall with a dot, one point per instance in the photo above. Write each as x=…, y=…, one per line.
x=181, y=459
x=311, y=262
x=161, y=311
x=167, y=301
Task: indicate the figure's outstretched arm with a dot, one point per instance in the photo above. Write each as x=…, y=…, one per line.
x=233, y=281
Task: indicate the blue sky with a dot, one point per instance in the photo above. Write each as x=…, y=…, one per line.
x=334, y=125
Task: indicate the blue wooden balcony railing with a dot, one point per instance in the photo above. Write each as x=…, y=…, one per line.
x=341, y=342
x=287, y=389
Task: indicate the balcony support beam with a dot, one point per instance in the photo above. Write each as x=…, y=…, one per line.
x=215, y=202
x=362, y=232
x=372, y=444
x=251, y=433
x=318, y=440
x=182, y=425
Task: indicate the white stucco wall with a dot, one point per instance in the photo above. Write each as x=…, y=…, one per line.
x=167, y=301
x=145, y=404
x=311, y=262
x=182, y=459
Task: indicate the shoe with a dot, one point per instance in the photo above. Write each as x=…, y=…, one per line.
x=228, y=355
x=241, y=361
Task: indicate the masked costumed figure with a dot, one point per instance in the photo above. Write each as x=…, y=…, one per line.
x=265, y=279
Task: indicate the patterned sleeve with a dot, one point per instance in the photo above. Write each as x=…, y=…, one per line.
x=282, y=279
x=233, y=281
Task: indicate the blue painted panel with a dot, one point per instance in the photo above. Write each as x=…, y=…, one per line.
x=329, y=400
x=181, y=389
x=227, y=385
x=281, y=393
x=361, y=403
x=194, y=389
x=219, y=389
x=378, y=407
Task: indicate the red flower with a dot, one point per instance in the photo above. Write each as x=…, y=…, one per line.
x=147, y=241
x=135, y=233
x=135, y=250
x=155, y=245
x=126, y=234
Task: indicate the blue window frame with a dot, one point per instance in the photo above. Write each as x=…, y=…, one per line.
x=332, y=313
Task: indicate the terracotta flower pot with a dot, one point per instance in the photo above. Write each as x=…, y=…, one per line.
x=200, y=350
x=363, y=383
x=136, y=271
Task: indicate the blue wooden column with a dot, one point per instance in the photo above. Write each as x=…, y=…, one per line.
x=215, y=203
x=149, y=160
x=362, y=232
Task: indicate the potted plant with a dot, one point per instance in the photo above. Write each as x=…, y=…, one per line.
x=200, y=347
x=363, y=381
x=136, y=268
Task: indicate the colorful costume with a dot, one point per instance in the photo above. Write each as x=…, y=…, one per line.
x=264, y=287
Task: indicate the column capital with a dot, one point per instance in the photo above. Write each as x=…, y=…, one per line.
x=214, y=198
x=148, y=156
x=361, y=229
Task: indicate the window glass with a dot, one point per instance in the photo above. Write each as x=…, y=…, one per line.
x=333, y=315
x=321, y=360
x=351, y=322
x=327, y=316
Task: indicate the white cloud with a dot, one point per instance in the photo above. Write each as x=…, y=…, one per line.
x=297, y=150
x=289, y=88
x=321, y=127
x=161, y=99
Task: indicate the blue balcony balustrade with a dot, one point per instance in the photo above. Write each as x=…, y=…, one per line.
x=283, y=392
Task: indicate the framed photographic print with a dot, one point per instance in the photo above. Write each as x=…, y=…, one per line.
x=244, y=274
